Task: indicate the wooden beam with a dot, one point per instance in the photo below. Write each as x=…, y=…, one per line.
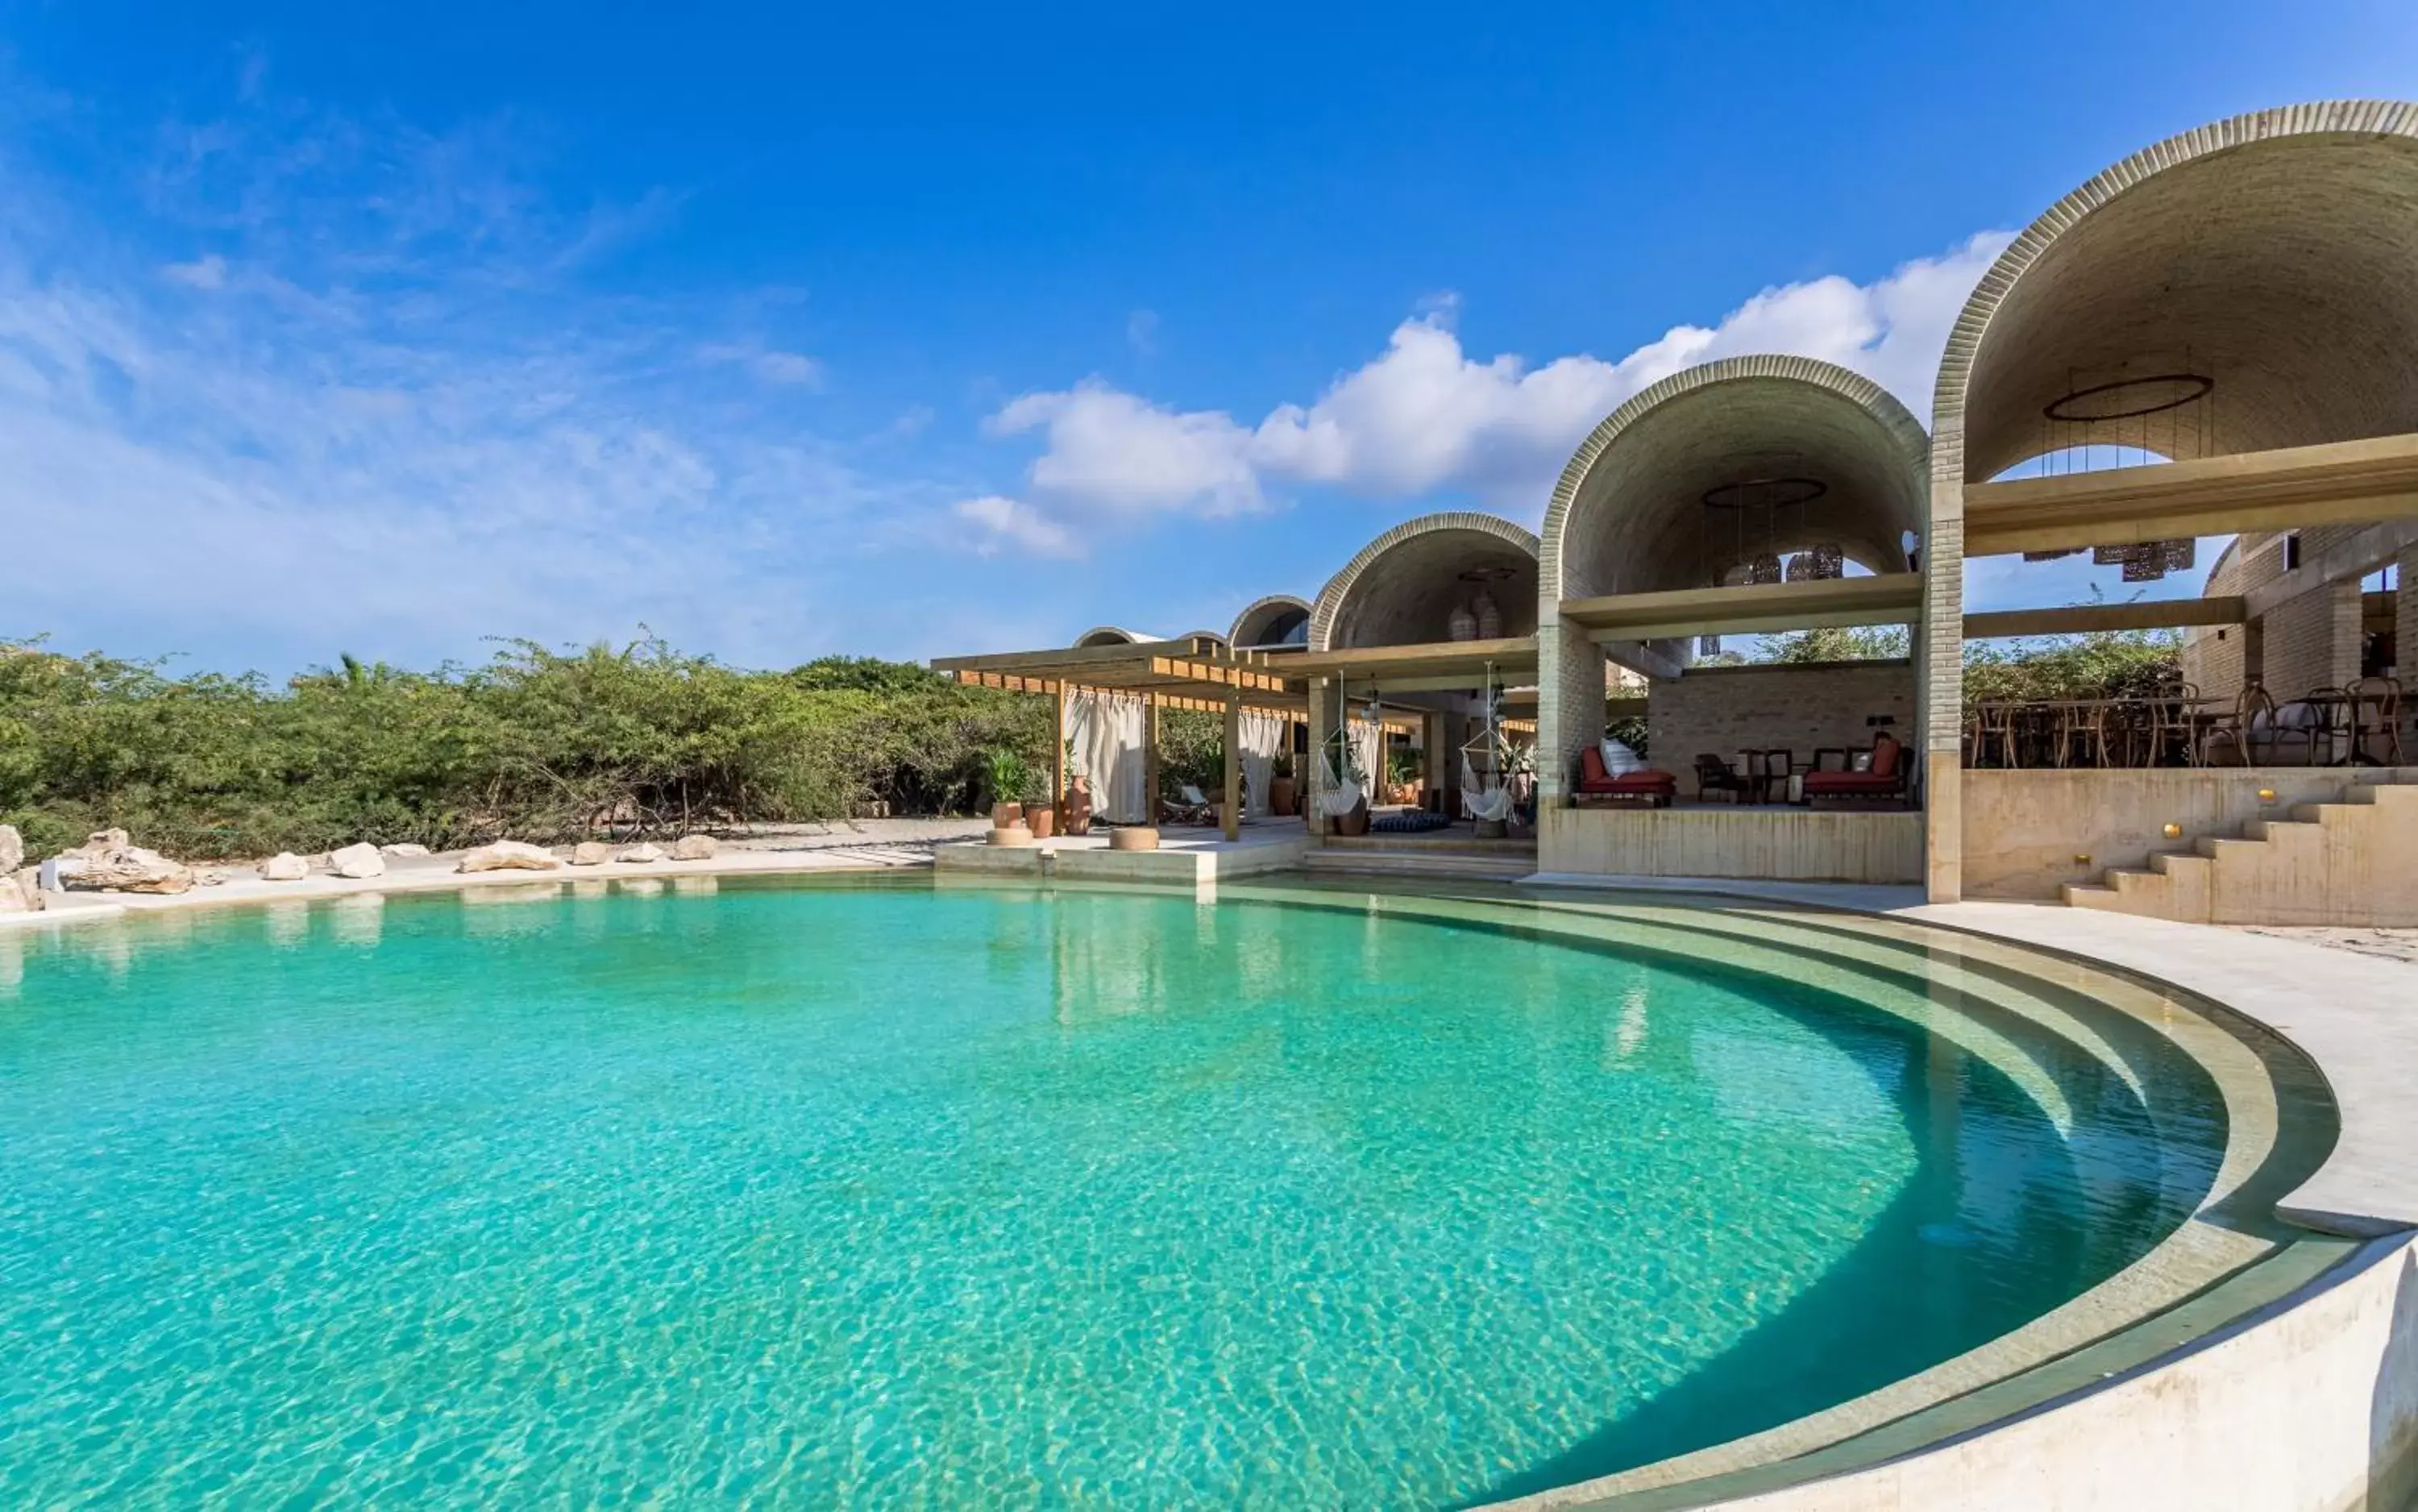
x=1150, y=765
x=1432, y=658
x=2086, y=619
x=1057, y=752
x=1132, y=652
x=2355, y=557
x=1234, y=809
x=1886, y=598
x=2339, y=482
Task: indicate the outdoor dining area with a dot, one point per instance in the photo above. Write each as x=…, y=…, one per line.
x=2174, y=726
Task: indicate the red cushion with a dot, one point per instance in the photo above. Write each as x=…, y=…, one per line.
x=1885, y=749
x=1851, y=782
x=1646, y=780
x=1591, y=768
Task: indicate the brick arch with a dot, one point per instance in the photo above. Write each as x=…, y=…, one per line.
x=1813, y=407
x=1110, y=636
x=1399, y=570
x=1250, y=627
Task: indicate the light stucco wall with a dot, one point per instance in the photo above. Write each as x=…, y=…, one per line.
x=2026, y=833
x=1726, y=709
x=1770, y=844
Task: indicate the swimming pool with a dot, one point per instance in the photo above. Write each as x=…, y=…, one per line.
x=896, y=1194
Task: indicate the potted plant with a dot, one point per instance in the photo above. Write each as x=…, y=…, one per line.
x=1042, y=815
x=1004, y=768
x=1280, y=793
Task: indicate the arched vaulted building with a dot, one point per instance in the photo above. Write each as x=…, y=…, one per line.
x=1730, y=498
x=2237, y=299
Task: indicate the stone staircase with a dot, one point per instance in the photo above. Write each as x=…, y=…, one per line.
x=1381, y=855
x=2355, y=861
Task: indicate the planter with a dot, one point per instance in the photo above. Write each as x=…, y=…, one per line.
x=1004, y=815
x=1042, y=821
x=1355, y=822
x=1133, y=837
x=1281, y=795
x=1011, y=834
x=1074, y=809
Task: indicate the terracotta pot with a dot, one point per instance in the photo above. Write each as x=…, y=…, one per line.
x=1075, y=808
x=1281, y=795
x=1004, y=815
x=1355, y=822
x=1042, y=821
x=1133, y=837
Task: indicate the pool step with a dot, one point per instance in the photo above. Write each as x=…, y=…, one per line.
x=2353, y=860
x=1407, y=862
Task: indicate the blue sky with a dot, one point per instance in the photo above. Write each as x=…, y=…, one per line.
x=382, y=329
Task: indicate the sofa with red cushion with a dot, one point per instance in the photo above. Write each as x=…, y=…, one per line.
x=1596, y=785
x=1885, y=779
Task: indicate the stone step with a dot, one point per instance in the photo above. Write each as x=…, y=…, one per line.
x=2178, y=863
x=2268, y=831
x=1402, y=863
x=2090, y=895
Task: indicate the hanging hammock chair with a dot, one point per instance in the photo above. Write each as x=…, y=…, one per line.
x=1342, y=786
x=1485, y=763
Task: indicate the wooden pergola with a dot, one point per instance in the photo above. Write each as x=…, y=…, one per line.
x=1197, y=672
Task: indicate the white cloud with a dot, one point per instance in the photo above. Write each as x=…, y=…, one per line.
x=1008, y=522
x=780, y=367
x=1424, y=415
x=207, y=272
x=1114, y=451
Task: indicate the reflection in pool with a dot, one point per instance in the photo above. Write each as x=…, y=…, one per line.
x=881, y=1195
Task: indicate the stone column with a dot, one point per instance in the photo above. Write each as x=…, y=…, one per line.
x=1570, y=704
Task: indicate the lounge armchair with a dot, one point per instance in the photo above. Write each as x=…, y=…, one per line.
x=1884, y=780
x=1598, y=785
x=1715, y=775
x=1194, y=809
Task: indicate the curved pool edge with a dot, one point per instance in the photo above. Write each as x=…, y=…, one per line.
x=2303, y=1400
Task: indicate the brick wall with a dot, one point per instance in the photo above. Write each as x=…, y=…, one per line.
x=2312, y=641
x=1727, y=709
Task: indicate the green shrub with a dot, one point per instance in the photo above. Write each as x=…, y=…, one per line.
x=537, y=744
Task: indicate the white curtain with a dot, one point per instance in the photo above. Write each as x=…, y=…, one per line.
x=1262, y=737
x=1106, y=732
x=1369, y=749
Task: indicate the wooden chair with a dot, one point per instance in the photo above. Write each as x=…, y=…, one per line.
x=1715, y=775
x=2172, y=726
x=2372, y=717
x=2251, y=720
x=1766, y=774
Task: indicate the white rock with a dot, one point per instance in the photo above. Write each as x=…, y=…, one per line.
x=209, y=877
x=27, y=884
x=126, y=869
x=16, y=898
x=12, y=849
x=286, y=866
x=359, y=862
x=644, y=852
x=406, y=848
x=694, y=848
x=511, y=856
x=591, y=853
x=100, y=840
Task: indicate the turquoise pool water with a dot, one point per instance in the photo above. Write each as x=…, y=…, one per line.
x=883, y=1196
